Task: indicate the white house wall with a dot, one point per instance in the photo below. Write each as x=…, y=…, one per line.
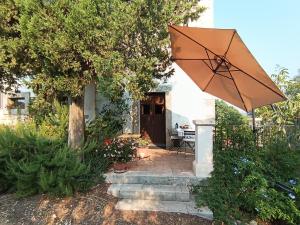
x=188, y=102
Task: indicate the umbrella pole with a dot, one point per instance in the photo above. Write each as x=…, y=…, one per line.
x=254, y=127
x=253, y=121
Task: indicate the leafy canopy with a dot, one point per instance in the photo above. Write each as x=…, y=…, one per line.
x=72, y=43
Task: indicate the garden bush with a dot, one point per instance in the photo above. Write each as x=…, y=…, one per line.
x=109, y=123
x=31, y=163
x=93, y=155
x=55, y=123
x=242, y=186
x=51, y=118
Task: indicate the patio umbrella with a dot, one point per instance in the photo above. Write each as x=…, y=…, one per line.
x=219, y=62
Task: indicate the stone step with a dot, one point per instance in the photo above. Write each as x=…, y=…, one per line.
x=164, y=206
x=150, y=192
x=141, y=177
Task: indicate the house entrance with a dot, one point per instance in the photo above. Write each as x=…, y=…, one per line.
x=153, y=118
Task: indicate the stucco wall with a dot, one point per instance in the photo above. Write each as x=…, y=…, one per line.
x=188, y=102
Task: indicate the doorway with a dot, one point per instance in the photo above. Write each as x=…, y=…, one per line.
x=153, y=118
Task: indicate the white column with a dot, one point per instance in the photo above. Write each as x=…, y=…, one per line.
x=203, y=164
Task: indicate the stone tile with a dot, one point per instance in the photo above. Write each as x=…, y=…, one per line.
x=182, y=194
x=149, y=205
x=114, y=189
x=166, y=179
x=161, y=160
x=131, y=187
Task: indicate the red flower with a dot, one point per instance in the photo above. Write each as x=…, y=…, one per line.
x=107, y=141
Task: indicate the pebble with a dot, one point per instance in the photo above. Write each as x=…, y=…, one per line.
x=253, y=222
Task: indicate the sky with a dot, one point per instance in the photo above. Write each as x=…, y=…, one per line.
x=270, y=29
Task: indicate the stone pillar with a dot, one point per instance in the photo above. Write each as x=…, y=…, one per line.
x=203, y=164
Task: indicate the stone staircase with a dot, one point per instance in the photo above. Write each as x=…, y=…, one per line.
x=148, y=191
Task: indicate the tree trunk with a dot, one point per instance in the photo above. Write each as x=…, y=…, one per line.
x=76, y=123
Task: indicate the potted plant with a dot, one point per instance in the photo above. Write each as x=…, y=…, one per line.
x=120, y=152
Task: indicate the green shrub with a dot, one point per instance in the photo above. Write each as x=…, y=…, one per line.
x=282, y=162
x=31, y=164
x=93, y=155
x=51, y=118
x=55, y=123
x=232, y=128
x=38, y=108
x=109, y=123
x=242, y=185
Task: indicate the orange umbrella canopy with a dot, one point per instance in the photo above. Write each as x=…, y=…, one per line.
x=219, y=62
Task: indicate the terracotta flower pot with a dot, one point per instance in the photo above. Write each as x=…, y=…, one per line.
x=120, y=167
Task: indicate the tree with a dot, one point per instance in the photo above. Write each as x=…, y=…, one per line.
x=287, y=112
x=12, y=67
x=74, y=43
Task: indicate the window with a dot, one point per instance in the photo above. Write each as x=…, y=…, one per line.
x=16, y=103
x=145, y=109
x=159, y=109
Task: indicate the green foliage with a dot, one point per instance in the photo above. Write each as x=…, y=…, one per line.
x=31, y=164
x=51, y=118
x=12, y=49
x=283, y=161
x=143, y=141
x=287, y=112
x=93, y=155
x=232, y=128
x=55, y=124
x=67, y=45
x=243, y=183
x=109, y=123
x=39, y=108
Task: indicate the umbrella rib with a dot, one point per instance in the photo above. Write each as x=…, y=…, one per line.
x=208, y=65
x=209, y=82
x=197, y=60
x=239, y=93
x=224, y=75
x=229, y=43
x=192, y=40
x=209, y=58
x=227, y=70
x=237, y=88
x=258, y=81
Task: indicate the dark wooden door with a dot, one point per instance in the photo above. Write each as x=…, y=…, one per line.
x=153, y=118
